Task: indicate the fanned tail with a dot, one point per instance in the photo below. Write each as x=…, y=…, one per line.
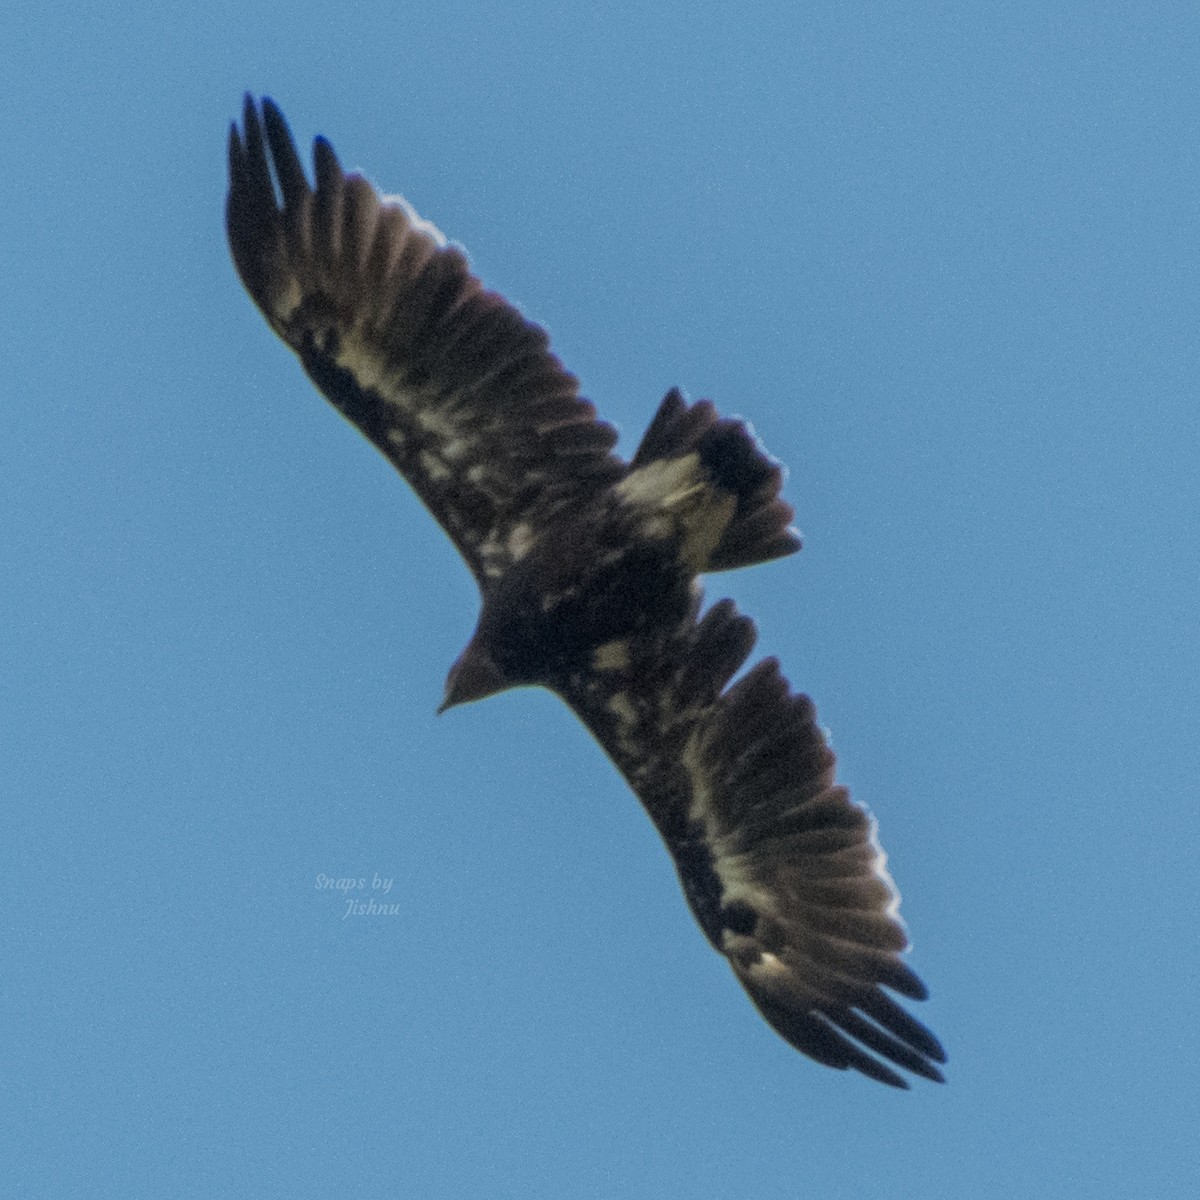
x=732, y=463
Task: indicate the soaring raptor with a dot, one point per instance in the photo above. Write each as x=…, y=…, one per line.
x=587, y=566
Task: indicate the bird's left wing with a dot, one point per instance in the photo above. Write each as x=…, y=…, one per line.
x=781, y=868
x=457, y=389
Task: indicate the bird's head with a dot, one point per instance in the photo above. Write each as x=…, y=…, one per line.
x=474, y=676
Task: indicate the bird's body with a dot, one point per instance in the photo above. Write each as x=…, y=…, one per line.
x=588, y=568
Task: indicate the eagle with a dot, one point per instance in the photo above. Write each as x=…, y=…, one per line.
x=587, y=567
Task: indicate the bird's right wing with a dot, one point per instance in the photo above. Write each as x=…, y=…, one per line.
x=781, y=868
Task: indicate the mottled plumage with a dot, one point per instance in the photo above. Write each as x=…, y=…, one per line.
x=587, y=568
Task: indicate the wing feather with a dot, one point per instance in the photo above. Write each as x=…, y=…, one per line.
x=449, y=381
x=781, y=868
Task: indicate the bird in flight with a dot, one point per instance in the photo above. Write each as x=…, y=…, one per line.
x=587, y=567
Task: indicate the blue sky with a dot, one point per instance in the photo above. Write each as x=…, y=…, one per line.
x=945, y=258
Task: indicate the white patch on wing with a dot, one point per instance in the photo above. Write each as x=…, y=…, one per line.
x=285, y=302
x=434, y=467
x=701, y=805
x=501, y=548
x=621, y=707
x=657, y=527
x=520, y=540
x=367, y=368
x=612, y=656
x=768, y=964
x=736, y=883
x=494, y=559
x=372, y=373
x=552, y=600
x=433, y=420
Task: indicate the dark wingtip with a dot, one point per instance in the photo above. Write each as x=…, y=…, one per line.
x=270, y=110
x=249, y=112
x=328, y=170
x=935, y=1050
x=250, y=208
x=323, y=149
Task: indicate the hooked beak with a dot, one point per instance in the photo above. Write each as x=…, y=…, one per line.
x=473, y=677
